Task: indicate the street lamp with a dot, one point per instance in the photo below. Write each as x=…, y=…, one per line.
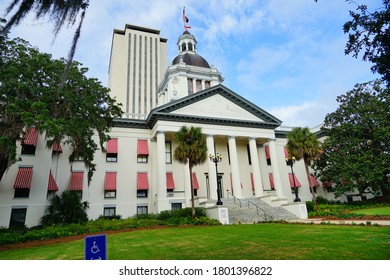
x=217, y=158
x=291, y=162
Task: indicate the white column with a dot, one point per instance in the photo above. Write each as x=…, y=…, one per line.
x=275, y=168
x=203, y=84
x=263, y=167
x=255, y=168
x=234, y=166
x=161, y=172
x=212, y=170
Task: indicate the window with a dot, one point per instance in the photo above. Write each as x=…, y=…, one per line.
x=18, y=217
x=142, y=210
x=109, y=194
x=50, y=194
x=248, y=152
x=198, y=85
x=190, y=86
x=142, y=184
x=142, y=159
x=111, y=157
x=29, y=141
x=142, y=193
x=22, y=182
x=112, y=150
x=28, y=149
x=207, y=84
x=22, y=192
x=168, y=152
x=267, y=155
x=142, y=151
x=110, y=185
x=109, y=211
x=176, y=206
x=228, y=152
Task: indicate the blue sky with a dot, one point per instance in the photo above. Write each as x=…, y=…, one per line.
x=285, y=56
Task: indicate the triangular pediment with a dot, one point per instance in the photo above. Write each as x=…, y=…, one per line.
x=217, y=104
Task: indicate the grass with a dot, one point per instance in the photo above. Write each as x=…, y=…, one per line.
x=380, y=211
x=270, y=241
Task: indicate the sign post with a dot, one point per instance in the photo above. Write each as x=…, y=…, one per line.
x=95, y=247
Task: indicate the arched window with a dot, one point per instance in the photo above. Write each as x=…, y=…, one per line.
x=190, y=46
x=183, y=47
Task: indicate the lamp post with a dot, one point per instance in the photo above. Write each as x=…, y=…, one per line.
x=291, y=162
x=217, y=158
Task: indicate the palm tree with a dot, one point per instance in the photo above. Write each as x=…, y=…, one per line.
x=303, y=144
x=66, y=209
x=60, y=13
x=192, y=149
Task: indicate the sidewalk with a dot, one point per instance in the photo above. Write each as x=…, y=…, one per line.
x=343, y=222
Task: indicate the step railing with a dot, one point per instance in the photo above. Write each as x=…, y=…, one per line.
x=234, y=198
x=249, y=202
x=257, y=209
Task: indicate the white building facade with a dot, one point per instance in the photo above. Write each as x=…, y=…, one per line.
x=138, y=173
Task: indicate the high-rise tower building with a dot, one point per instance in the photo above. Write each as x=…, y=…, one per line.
x=138, y=61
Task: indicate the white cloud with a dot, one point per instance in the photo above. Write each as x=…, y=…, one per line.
x=287, y=57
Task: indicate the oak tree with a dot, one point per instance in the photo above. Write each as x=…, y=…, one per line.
x=31, y=96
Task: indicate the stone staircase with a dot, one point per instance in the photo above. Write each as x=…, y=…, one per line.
x=244, y=211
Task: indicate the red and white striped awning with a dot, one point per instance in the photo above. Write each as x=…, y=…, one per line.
x=23, y=178
x=291, y=179
x=142, y=148
x=30, y=137
x=110, y=181
x=76, y=181
x=195, y=181
x=142, y=181
x=112, y=146
x=170, y=182
x=52, y=185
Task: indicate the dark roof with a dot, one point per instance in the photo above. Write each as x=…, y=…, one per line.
x=191, y=59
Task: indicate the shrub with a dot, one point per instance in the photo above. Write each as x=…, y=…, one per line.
x=310, y=206
x=112, y=217
x=322, y=200
x=166, y=218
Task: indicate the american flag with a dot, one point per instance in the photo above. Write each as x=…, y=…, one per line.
x=185, y=19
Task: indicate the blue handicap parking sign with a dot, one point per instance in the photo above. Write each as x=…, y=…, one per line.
x=95, y=247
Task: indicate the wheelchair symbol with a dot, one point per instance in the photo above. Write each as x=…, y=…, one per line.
x=94, y=248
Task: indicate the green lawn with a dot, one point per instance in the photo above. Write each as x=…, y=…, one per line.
x=380, y=211
x=271, y=241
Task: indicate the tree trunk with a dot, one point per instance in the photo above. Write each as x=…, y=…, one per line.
x=192, y=193
x=311, y=186
x=4, y=164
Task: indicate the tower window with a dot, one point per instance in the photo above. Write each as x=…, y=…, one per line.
x=190, y=86
x=198, y=85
